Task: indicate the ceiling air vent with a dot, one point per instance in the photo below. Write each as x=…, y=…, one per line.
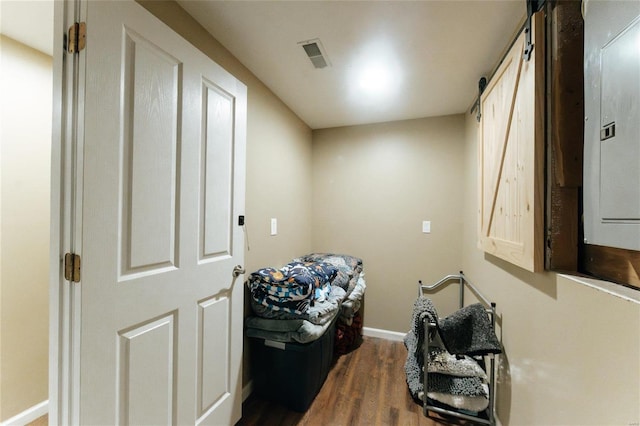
x=315, y=52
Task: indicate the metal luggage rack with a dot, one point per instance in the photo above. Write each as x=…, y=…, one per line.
x=487, y=416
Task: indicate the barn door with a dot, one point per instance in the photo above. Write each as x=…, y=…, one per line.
x=511, y=156
x=162, y=147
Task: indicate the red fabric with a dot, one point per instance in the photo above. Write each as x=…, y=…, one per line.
x=348, y=337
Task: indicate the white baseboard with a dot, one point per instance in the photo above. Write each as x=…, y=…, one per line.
x=383, y=334
x=28, y=415
x=246, y=391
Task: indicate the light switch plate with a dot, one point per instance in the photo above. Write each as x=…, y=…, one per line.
x=426, y=226
x=274, y=226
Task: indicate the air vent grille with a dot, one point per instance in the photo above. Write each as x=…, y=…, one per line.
x=312, y=49
x=318, y=61
x=315, y=52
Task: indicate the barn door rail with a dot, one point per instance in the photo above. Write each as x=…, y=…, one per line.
x=533, y=6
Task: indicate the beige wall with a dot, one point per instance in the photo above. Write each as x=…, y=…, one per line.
x=572, y=351
x=25, y=78
x=373, y=186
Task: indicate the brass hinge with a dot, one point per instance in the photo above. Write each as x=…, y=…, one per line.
x=72, y=267
x=77, y=37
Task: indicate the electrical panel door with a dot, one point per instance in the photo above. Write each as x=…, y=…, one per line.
x=612, y=124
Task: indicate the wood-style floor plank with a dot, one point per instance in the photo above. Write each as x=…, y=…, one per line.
x=364, y=387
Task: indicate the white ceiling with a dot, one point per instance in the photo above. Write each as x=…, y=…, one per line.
x=435, y=50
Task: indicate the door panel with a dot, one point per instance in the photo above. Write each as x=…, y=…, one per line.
x=151, y=116
x=161, y=329
x=146, y=368
x=217, y=171
x=213, y=349
x=497, y=112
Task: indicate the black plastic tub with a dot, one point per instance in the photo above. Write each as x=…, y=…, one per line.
x=291, y=373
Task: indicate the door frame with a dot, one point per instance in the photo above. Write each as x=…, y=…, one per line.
x=66, y=218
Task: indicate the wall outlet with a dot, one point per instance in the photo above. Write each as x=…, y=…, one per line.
x=274, y=226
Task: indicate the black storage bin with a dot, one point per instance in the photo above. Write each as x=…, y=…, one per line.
x=291, y=373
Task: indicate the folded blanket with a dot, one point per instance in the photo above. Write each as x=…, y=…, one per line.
x=348, y=310
x=469, y=403
x=348, y=267
x=319, y=314
x=280, y=283
x=422, y=308
x=441, y=361
x=459, y=386
x=471, y=386
x=301, y=331
x=351, y=305
x=292, y=289
x=468, y=331
x=274, y=325
x=343, y=261
x=412, y=368
x=358, y=291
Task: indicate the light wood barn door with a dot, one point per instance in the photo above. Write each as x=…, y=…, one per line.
x=163, y=185
x=511, y=156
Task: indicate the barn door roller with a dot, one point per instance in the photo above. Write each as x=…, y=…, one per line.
x=532, y=7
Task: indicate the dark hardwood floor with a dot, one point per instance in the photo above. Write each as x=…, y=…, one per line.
x=364, y=387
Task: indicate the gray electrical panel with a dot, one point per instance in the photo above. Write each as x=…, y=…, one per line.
x=612, y=123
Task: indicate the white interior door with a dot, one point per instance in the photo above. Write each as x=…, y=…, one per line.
x=163, y=149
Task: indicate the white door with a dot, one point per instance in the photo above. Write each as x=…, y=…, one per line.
x=163, y=151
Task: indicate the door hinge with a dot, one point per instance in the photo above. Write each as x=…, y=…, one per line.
x=76, y=37
x=72, y=267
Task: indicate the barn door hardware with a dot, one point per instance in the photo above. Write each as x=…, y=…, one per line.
x=532, y=7
x=482, y=83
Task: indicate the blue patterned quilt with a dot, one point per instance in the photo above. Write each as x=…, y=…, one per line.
x=292, y=289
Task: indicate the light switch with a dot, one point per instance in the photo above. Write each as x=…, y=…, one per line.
x=274, y=226
x=426, y=226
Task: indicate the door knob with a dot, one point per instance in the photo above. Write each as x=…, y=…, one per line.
x=237, y=270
